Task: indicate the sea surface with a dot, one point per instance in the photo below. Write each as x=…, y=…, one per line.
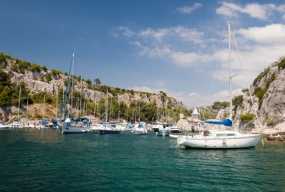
x=45, y=160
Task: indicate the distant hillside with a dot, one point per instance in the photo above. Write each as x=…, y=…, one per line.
x=37, y=82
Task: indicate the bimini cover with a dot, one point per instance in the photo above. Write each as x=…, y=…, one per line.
x=44, y=123
x=226, y=122
x=142, y=124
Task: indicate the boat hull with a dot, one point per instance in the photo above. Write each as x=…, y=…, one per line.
x=139, y=132
x=173, y=136
x=74, y=130
x=219, y=143
x=163, y=133
x=174, y=131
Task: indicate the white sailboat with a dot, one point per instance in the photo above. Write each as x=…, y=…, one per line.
x=81, y=125
x=16, y=123
x=106, y=128
x=43, y=124
x=140, y=128
x=216, y=139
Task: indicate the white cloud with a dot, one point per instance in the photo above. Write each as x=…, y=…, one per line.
x=127, y=31
x=184, y=33
x=143, y=89
x=193, y=94
x=188, y=59
x=160, y=83
x=187, y=9
x=193, y=99
x=152, y=51
x=114, y=34
x=188, y=34
x=258, y=46
x=254, y=10
x=281, y=9
x=270, y=34
x=158, y=34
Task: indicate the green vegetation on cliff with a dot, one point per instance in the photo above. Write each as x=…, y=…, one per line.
x=9, y=95
x=247, y=117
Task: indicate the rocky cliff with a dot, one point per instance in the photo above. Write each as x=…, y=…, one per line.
x=37, y=81
x=268, y=95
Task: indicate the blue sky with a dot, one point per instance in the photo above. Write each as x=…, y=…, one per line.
x=179, y=47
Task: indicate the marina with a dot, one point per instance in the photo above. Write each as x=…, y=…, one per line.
x=47, y=160
x=142, y=96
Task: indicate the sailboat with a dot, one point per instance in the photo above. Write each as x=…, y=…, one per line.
x=217, y=139
x=71, y=125
x=106, y=128
x=16, y=123
x=43, y=124
x=140, y=128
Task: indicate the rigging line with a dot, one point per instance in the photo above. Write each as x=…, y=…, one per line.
x=216, y=64
x=202, y=88
x=255, y=110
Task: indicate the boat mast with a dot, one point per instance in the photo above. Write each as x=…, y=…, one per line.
x=19, y=102
x=44, y=107
x=230, y=77
x=140, y=107
x=63, y=106
x=56, y=103
x=106, y=115
x=72, y=84
x=27, y=108
x=80, y=98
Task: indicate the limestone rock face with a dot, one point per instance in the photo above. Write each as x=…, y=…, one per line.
x=36, y=82
x=270, y=110
x=272, y=106
x=184, y=124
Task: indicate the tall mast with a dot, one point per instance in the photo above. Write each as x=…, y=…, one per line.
x=230, y=77
x=72, y=84
x=95, y=109
x=27, y=108
x=106, y=115
x=56, y=103
x=44, y=107
x=19, y=101
x=140, y=107
x=80, y=98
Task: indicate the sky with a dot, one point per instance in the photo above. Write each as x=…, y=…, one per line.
x=178, y=47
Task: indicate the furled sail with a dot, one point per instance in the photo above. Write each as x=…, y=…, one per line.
x=226, y=122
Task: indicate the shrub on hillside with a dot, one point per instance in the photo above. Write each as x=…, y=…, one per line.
x=247, y=117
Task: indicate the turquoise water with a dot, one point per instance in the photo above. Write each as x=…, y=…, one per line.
x=45, y=160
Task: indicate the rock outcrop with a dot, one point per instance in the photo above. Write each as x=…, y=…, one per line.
x=270, y=108
x=37, y=82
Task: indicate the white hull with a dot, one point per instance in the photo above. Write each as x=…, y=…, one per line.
x=19, y=126
x=140, y=131
x=71, y=129
x=220, y=140
x=172, y=136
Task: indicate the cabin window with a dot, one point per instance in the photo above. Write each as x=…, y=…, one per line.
x=225, y=134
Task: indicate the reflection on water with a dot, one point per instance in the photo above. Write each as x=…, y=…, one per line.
x=45, y=160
